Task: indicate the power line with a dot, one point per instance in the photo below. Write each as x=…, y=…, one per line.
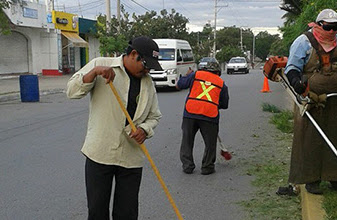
x=130, y=7
x=84, y=5
x=141, y=5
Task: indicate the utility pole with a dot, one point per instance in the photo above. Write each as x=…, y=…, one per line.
x=216, y=10
x=108, y=16
x=119, y=16
x=253, y=63
x=215, y=13
x=241, y=39
x=79, y=7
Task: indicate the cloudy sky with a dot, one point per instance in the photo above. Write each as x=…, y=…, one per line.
x=241, y=13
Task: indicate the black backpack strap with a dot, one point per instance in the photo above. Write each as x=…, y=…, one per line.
x=312, y=39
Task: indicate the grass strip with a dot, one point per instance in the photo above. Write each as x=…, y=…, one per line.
x=270, y=169
x=329, y=203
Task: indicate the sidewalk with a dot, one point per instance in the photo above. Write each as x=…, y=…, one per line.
x=10, y=86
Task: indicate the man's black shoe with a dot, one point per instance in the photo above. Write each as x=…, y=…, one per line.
x=188, y=171
x=287, y=190
x=207, y=172
x=314, y=188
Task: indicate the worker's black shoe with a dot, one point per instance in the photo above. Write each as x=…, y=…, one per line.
x=314, y=188
x=188, y=170
x=287, y=190
x=207, y=172
x=333, y=185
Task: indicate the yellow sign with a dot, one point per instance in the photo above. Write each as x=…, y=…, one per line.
x=65, y=21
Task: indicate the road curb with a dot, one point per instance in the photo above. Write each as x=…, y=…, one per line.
x=311, y=205
x=15, y=95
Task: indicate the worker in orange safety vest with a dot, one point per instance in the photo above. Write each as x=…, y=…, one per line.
x=208, y=93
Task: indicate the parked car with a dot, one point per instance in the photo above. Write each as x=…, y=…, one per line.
x=237, y=65
x=208, y=61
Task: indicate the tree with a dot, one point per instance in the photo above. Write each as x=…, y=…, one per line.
x=293, y=9
x=310, y=10
x=4, y=22
x=228, y=52
x=165, y=25
x=263, y=44
x=278, y=48
x=201, y=42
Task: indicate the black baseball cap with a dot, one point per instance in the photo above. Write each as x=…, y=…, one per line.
x=148, y=50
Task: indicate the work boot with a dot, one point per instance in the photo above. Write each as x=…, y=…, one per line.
x=314, y=188
x=333, y=185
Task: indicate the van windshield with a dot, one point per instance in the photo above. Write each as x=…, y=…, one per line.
x=166, y=54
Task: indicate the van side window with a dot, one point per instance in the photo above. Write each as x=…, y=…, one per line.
x=187, y=55
x=179, y=58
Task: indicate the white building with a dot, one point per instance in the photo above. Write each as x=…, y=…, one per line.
x=32, y=45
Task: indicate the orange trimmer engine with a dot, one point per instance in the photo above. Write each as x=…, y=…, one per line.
x=272, y=65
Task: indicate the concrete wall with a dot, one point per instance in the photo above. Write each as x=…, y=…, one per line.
x=28, y=14
x=42, y=48
x=93, y=47
x=77, y=59
x=48, y=51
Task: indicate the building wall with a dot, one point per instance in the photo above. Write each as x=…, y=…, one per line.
x=48, y=51
x=77, y=59
x=14, y=53
x=93, y=47
x=42, y=48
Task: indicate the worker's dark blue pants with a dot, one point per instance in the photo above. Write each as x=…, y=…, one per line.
x=209, y=132
x=99, y=178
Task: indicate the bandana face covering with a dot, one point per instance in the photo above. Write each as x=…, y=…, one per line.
x=327, y=39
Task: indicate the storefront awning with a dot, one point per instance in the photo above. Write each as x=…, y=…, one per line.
x=76, y=41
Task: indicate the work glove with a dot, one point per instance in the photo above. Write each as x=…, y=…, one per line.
x=294, y=78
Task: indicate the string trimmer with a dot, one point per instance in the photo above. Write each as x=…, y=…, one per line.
x=274, y=71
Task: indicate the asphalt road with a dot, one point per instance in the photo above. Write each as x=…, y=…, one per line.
x=42, y=169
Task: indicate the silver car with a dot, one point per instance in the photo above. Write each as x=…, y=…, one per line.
x=237, y=65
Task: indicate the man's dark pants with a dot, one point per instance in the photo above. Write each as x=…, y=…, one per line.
x=99, y=178
x=209, y=132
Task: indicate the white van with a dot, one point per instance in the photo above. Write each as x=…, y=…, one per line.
x=175, y=57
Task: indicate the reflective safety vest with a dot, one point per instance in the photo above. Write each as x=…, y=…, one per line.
x=204, y=95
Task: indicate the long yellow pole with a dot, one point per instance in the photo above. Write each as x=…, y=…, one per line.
x=143, y=147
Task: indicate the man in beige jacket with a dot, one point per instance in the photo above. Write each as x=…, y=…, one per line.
x=111, y=148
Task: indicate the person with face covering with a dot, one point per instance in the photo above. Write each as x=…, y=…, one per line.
x=312, y=69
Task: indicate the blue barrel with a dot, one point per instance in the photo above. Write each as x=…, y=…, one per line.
x=29, y=88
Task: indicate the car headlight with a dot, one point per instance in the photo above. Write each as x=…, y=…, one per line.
x=171, y=71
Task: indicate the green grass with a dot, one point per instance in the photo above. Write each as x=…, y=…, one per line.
x=270, y=167
x=266, y=107
x=329, y=202
x=274, y=173
x=266, y=204
x=283, y=121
